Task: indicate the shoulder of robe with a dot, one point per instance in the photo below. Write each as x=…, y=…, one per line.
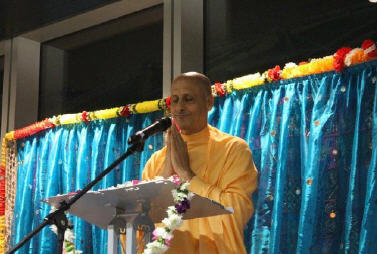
x=228, y=141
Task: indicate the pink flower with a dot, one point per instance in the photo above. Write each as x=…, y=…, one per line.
x=167, y=242
x=176, y=180
x=135, y=182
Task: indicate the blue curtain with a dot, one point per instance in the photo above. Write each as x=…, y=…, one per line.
x=313, y=139
x=64, y=159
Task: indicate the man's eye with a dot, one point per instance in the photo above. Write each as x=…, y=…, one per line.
x=189, y=99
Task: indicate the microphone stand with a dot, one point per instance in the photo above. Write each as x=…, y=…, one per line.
x=59, y=218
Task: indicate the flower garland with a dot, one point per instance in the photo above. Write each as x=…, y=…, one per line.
x=163, y=235
x=2, y=195
x=344, y=57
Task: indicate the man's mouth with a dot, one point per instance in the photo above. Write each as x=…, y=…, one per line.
x=180, y=115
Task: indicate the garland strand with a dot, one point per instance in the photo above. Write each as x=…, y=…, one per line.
x=162, y=236
x=2, y=195
x=344, y=57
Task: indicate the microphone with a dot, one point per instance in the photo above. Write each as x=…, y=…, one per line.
x=158, y=126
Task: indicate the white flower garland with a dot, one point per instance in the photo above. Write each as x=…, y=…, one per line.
x=161, y=235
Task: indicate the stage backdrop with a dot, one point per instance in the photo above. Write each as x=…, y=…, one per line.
x=313, y=141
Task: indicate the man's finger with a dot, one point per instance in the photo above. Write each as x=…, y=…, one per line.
x=177, y=137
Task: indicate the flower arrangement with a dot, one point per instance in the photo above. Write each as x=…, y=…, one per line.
x=163, y=235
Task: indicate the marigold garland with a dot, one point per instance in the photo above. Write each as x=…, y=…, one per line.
x=2, y=195
x=32, y=129
x=343, y=57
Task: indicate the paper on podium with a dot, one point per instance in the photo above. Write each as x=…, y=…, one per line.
x=99, y=207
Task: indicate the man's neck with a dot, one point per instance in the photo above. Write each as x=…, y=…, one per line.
x=190, y=132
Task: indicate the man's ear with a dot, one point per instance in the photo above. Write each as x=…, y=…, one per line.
x=210, y=102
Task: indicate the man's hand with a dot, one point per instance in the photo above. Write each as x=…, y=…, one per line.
x=179, y=155
x=168, y=167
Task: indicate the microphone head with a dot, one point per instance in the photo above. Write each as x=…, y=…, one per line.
x=165, y=123
x=159, y=125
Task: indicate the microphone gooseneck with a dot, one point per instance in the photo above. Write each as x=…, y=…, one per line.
x=158, y=126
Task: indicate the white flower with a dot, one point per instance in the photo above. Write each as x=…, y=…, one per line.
x=290, y=65
x=184, y=186
x=171, y=210
x=172, y=222
x=163, y=233
x=190, y=195
x=178, y=196
x=69, y=236
x=174, y=193
x=155, y=248
x=159, y=178
x=128, y=184
x=348, y=58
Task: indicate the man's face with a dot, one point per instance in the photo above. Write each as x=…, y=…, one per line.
x=189, y=106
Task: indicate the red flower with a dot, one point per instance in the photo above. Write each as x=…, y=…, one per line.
x=339, y=58
x=167, y=102
x=274, y=73
x=369, y=48
x=125, y=111
x=219, y=89
x=84, y=116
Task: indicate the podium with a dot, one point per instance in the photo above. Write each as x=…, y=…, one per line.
x=134, y=207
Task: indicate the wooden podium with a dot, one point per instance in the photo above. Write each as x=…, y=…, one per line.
x=134, y=207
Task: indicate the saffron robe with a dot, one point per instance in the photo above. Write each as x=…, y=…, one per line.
x=224, y=172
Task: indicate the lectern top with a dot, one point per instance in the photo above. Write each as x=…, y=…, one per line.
x=100, y=207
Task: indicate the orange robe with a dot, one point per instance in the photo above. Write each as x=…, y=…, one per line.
x=225, y=172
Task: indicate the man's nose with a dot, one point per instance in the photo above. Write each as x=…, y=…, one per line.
x=181, y=106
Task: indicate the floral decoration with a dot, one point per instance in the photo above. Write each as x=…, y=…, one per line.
x=162, y=236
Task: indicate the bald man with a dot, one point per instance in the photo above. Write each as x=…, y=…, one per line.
x=217, y=165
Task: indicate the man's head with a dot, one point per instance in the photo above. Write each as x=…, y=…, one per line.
x=191, y=99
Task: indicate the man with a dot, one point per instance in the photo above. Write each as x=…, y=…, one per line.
x=217, y=165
